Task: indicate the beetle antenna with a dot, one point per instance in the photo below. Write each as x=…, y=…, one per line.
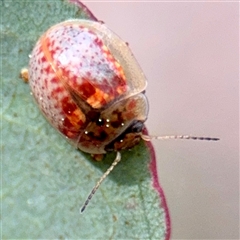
x=149, y=138
x=115, y=162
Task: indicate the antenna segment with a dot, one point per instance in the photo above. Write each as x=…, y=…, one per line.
x=149, y=138
x=115, y=162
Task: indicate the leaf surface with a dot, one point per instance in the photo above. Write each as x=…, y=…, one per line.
x=44, y=179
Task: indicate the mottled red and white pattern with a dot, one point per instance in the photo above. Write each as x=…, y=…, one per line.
x=79, y=66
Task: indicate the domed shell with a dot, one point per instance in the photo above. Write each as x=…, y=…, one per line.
x=87, y=83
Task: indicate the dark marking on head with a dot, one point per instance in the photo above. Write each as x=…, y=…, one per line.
x=127, y=138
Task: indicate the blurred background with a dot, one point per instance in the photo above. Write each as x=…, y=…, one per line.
x=189, y=54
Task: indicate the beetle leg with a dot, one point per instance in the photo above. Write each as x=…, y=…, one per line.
x=24, y=75
x=97, y=157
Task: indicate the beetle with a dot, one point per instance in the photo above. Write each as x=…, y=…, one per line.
x=89, y=86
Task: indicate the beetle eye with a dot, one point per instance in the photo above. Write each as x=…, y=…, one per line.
x=136, y=127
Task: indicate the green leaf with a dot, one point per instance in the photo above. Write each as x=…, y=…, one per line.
x=44, y=179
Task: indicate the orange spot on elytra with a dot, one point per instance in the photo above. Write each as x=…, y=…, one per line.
x=86, y=89
x=74, y=116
